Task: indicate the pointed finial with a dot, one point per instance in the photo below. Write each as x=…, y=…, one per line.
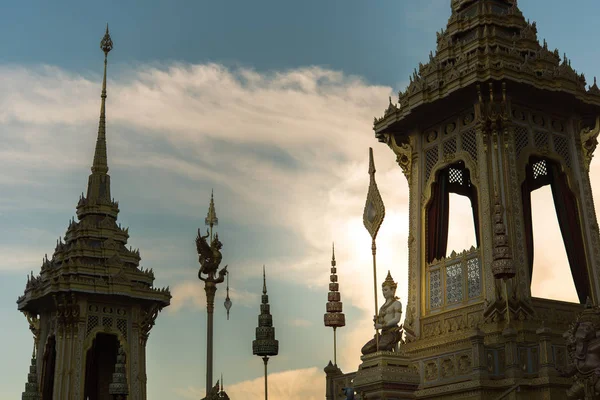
x=100, y=164
x=106, y=44
x=264, y=281
x=333, y=254
x=371, y=162
x=221, y=381
x=211, y=218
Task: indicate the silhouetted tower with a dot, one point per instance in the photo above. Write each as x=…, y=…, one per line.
x=92, y=296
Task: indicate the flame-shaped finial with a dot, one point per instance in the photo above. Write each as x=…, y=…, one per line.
x=106, y=43
x=211, y=218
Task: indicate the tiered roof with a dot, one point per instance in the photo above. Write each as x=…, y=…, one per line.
x=94, y=258
x=487, y=40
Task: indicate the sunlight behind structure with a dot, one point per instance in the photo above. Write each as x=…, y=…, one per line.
x=461, y=227
x=551, y=273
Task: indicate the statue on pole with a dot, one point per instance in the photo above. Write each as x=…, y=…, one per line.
x=209, y=257
x=388, y=320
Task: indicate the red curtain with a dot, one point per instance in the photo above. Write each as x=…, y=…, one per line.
x=527, y=218
x=437, y=218
x=569, y=219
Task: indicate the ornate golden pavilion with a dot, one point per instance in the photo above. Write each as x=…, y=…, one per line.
x=92, y=304
x=492, y=116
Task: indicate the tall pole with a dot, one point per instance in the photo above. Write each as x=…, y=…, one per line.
x=334, y=317
x=372, y=218
x=211, y=289
x=334, y=348
x=374, y=251
x=210, y=258
x=266, y=360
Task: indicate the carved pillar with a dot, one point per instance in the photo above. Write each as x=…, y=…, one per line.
x=479, y=369
x=547, y=364
x=512, y=367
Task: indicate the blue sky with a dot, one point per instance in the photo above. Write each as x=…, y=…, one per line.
x=271, y=104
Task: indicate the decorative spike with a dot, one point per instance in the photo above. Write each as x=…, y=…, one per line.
x=265, y=344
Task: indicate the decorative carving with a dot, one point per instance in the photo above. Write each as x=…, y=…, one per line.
x=447, y=368
x=583, y=347
x=148, y=317
x=589, y=141
x=403, y=152
x=431, y=371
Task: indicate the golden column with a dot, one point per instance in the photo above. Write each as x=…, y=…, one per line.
x=209, y=257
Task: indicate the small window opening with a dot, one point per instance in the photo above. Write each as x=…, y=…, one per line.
x=461, y=230
x=552, y=277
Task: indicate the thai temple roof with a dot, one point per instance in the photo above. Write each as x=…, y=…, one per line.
x=486, y=40
x=93, y=257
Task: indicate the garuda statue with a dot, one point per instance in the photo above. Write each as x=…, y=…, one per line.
x=209, y=257
x=583, y=348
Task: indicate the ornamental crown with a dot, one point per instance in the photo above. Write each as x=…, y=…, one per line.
x=389, y=281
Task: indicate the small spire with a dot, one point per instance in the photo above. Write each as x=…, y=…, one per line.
x=264, y=281
x=221, y=381
x=333, y=254
x=211, y=218
x=100, y=164
x=99, y=181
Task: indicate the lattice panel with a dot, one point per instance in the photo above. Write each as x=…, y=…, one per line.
x=541, y=139
x=92, y=322
x=454, y=287
x=521, y=139
x=107, y=321
x=455, y=176
x=539, y=169
x=122, y=327
x=469, y=143
x=449, y=147
x=431, y=158
x=435, y=289
x=561, y=147
x=473, y=278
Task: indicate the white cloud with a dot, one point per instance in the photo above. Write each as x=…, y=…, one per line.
x=299, y=384
x=300, y=322
x=191, y=294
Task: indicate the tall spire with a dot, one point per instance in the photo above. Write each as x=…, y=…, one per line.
x=99, y=182
x=100, y=164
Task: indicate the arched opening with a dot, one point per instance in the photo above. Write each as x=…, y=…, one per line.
x=99, y=366
x=452, y=179
x=541, y=172
x=48, y=368
x=551, y=277
x=461, y=230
